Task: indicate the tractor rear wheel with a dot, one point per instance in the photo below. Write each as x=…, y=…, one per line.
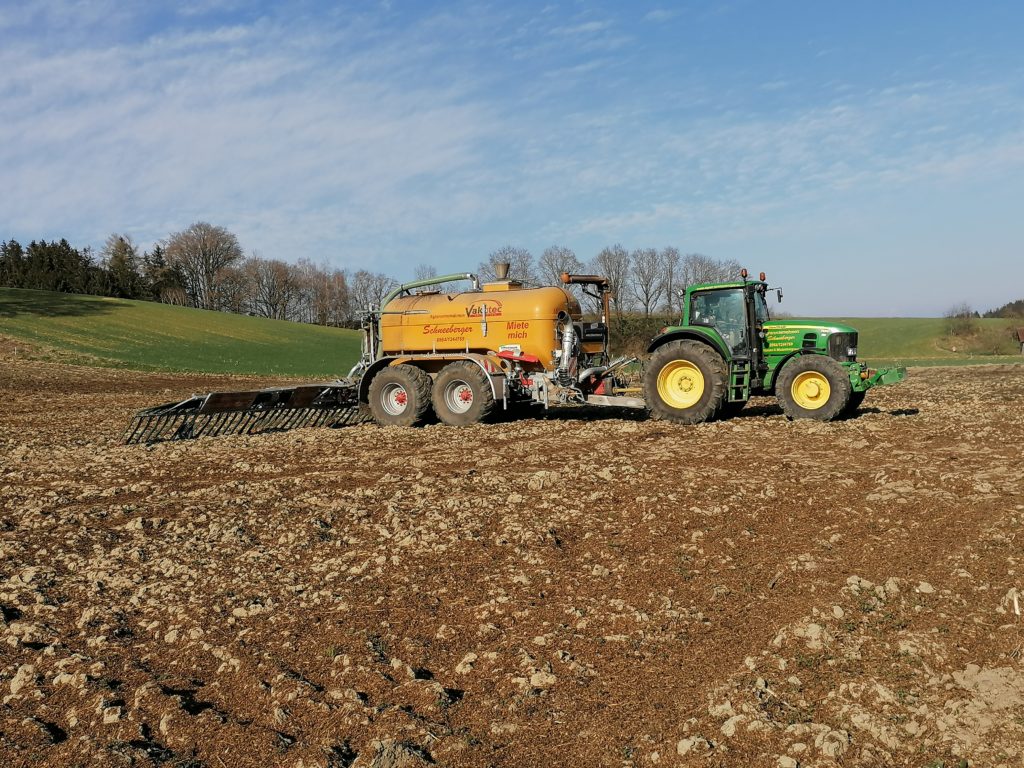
x=685, y=382
x=462, y=394
x=400, y=396
x=813, y=387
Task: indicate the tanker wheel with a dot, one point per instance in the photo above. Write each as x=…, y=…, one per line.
x=400, y=396
x=685, y=382
x=813, y=387
x=462, y=394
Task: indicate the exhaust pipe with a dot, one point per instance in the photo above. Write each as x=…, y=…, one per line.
x=568, y=338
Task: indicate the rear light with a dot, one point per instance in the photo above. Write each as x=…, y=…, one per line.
x=662, y=330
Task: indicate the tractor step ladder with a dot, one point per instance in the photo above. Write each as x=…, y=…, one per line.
x=739, y=383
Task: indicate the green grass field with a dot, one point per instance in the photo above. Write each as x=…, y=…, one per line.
x=145, y=335
x=926, y=341
x=149, y=336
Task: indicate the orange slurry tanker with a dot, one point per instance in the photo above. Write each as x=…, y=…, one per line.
x=496, y=346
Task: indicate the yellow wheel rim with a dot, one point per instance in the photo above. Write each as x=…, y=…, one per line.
x=680, y=384
x=810, y=390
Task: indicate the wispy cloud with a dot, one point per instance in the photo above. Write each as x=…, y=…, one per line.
x=383, y=138
x=660, y=15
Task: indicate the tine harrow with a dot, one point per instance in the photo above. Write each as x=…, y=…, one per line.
x=332, y=404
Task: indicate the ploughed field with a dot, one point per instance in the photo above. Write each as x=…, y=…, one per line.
x=570, y=590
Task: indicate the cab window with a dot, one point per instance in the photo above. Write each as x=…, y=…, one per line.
x=724, y=311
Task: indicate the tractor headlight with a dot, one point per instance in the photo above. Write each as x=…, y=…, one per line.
x=851, y=352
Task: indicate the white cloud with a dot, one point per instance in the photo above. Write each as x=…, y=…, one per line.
x=660, y=14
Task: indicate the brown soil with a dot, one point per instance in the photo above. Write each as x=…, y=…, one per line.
x=564, y=591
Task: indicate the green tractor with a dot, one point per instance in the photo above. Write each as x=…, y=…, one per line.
x=726, y=349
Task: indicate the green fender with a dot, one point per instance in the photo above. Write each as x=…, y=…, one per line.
x=709, y=337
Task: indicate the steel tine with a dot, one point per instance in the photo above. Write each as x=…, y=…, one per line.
x=134, y=426
x=247, y=422
x=226, y=423
x=296, y=418
x=204, y=424
x=229, y=424
x=152, y=432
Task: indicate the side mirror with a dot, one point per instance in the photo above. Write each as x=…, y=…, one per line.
x=778, y=294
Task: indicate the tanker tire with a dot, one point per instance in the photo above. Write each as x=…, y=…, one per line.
x=712, y=368
x=400, y=396
x=815, y=366
x=453, y=384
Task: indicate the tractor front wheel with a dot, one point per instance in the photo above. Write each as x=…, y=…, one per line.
x=685, y=382
x=462, y=394
x=813, y=387
x=400, y=396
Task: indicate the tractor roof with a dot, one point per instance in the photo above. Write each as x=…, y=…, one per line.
x=732, y=284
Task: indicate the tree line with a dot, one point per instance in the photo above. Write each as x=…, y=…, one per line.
x=204, y=266
x=645, y=281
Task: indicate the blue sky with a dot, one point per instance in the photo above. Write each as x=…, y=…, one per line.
x=868, y=156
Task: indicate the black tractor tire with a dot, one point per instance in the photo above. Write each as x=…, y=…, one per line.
x=731, y=409
x=856, y=399
x=462, y=395
x=673, y=389
x=813, y=387
x=400, y=396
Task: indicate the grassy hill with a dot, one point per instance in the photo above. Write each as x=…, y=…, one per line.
x=149, y=336
x=926, y=341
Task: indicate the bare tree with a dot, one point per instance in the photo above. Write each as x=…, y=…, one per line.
x=698, y=268
x=233, y=292
x=368, y=289
x=200, y=253
x=333, y=299
x=613, y=263
x=274, y=286
x=960, y=320
x=424, y=272
x=554, y=261
x=671, y=269
x=321, y=294
x=648, y=283
x=520, y=263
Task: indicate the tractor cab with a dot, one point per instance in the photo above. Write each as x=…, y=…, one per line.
x=734, y=314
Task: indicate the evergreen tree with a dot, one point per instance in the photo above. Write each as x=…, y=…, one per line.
x=121, y=261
